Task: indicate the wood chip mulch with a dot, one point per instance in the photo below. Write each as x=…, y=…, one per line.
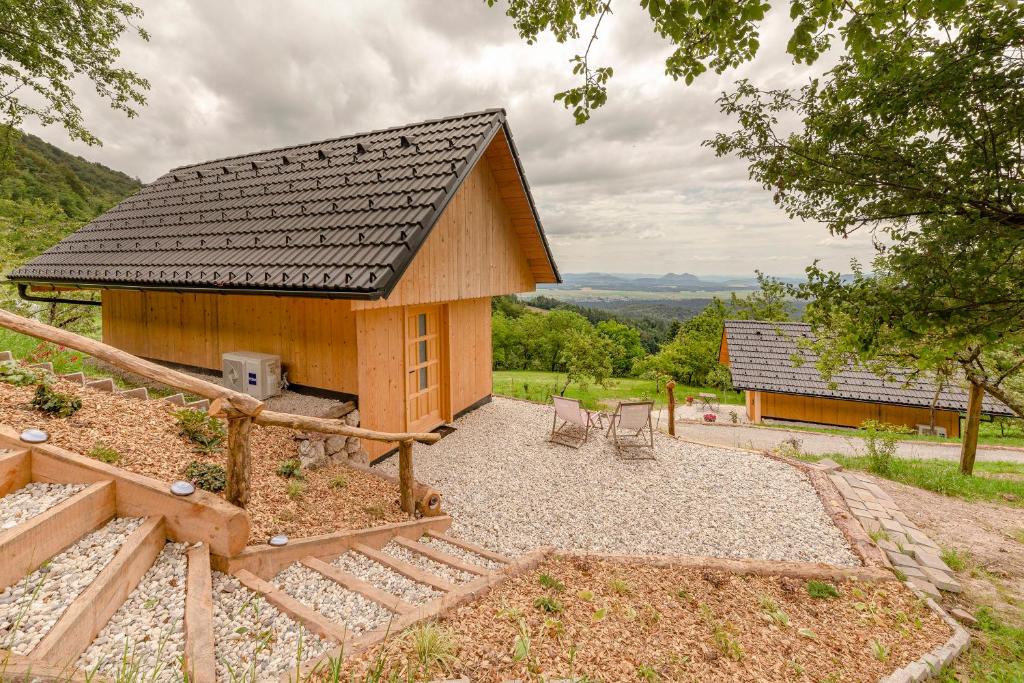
x=634, y=621
x=146, y=436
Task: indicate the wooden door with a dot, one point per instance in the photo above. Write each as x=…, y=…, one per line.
x=423, y=368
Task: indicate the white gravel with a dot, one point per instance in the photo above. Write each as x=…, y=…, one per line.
x=331, y=600
x=461, y=553
x=253, y=641
x=510, y=490
x=30, y=608
x=443, y=571
x=33, y=499
x=146, y=634
x=385, y=578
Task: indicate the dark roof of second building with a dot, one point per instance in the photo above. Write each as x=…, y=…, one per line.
x=341, y=217
x=761, y=359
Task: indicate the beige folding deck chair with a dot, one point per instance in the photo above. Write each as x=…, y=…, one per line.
x=574, y=418
x=631, y=429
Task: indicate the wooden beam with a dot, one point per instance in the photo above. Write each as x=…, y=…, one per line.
x=406, y=482
x=325, y=426
x=409, y=571
x=670, y=387
x=442, y=557
x=239, y=470
x=85, y=617
x=470, y=547
x=241, y=402
x=305, y=615
x=15, y=470
x=200, y=664
x=36, y=540
x=356, y=585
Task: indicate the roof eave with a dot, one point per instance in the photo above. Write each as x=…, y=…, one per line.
x=199, y=289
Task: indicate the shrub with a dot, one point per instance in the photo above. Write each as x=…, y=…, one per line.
x=105, y=454
x=296, y=489
x=204, y=431
x=548, y=604
x=551, y=583
x=208, y=476
x=880, y=441
x=55, y=402
x=821, y=589
x=619, y=587
x=290, y=469
x=11, y=372
x=433, y=645
x=339, y=482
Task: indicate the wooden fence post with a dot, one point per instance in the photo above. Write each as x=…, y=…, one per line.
x=239, y=461
x=670, y=386
x=405, y=478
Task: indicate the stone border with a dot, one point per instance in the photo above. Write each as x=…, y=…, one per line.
x=931, y=663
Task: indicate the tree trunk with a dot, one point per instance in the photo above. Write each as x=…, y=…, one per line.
x=969, y=444
x=406, y=482
x=239, y=461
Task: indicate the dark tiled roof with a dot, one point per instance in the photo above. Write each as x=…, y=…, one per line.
x=760, y=359
x=341, y=217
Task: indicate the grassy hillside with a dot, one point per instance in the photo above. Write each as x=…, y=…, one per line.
x=46, y=193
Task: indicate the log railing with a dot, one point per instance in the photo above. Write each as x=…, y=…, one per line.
x=240, y=410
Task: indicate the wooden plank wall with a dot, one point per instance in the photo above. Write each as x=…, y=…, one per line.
x=316, y=338
x=472, y=252
x=469, y=344
x=851, y=413
x=381, y=365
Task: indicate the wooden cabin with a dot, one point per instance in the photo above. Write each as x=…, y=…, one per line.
x=760, y=358
x=366, y=262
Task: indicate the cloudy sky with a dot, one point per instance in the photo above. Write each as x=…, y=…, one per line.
x=630, y=191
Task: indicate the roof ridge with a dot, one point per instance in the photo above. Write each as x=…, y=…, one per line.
x=492, y=110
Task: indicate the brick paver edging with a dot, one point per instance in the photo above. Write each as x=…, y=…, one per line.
x=933, y=662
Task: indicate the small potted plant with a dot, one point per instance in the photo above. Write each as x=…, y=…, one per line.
x=710, y=417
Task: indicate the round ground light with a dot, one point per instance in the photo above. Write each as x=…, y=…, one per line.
x=278, y=540
x=34, y=436
x=183, y=488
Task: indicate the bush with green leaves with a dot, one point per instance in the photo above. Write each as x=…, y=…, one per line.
x=105, y=453
x=205, y=432
x=55, y=402
x=12, y=372
x=208, y=476
x=880, y=440
x=822, y=590
x=290, y=469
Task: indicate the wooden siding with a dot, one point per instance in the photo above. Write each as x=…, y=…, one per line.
x=829, y=411
x=472, y=252
x=381, y=373
x=469, y=334
x=316, y=338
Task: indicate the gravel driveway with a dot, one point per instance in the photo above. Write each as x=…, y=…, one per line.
x=510, y=490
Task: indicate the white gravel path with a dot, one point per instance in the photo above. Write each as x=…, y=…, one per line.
x=510, y=490
x=146, y=634
x=385, y=578
x=461, y=553
x=30, y=608
x=443, y=571
x=334, y=602
x=253, y=640
x=33, y=499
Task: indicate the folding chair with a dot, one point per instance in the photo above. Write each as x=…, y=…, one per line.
x=631, y=429
x=574, y=417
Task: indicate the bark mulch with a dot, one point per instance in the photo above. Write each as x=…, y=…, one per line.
x=616, y=621
x=145, y=435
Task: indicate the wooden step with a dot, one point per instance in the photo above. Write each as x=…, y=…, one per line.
x=31, y=543
x=6, y=355
x=305, y=615
x=471, y=547
x=357, y=585
x=201, y=404
x=76, y=377
x=92, y=609
x=200, y=664
x=137, y=392
x=15, y=470
x=409, y=571
x=47, y=366
x=105, y=384
x=441, y=556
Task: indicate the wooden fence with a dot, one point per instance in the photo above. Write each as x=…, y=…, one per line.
x=240, y=410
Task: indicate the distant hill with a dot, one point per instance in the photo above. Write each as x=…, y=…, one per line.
x=670, y=282
x=46, y=193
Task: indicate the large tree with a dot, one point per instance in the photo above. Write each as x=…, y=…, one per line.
x=46, y=45
x=921, y=141
x=715, y=34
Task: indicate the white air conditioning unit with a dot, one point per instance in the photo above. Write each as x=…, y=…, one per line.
x=256, y=374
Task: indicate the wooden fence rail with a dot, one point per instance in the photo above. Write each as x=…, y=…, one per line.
x=241, y=410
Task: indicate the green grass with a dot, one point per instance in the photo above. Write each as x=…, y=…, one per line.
x=996, y=653
x=990, y=433
x=537, y=385
x=991, y=482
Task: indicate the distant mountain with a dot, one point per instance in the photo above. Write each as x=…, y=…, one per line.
x=669, y=282
x=47, y=193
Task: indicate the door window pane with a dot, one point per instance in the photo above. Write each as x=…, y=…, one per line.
x=422, y=350
x=423, y=378
x=421, y=325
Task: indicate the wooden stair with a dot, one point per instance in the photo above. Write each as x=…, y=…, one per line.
x=357, y=585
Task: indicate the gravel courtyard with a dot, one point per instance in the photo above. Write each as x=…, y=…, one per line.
x=508, y=489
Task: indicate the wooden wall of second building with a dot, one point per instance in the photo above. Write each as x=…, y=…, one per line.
x=828, y=411
x=316, y=338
